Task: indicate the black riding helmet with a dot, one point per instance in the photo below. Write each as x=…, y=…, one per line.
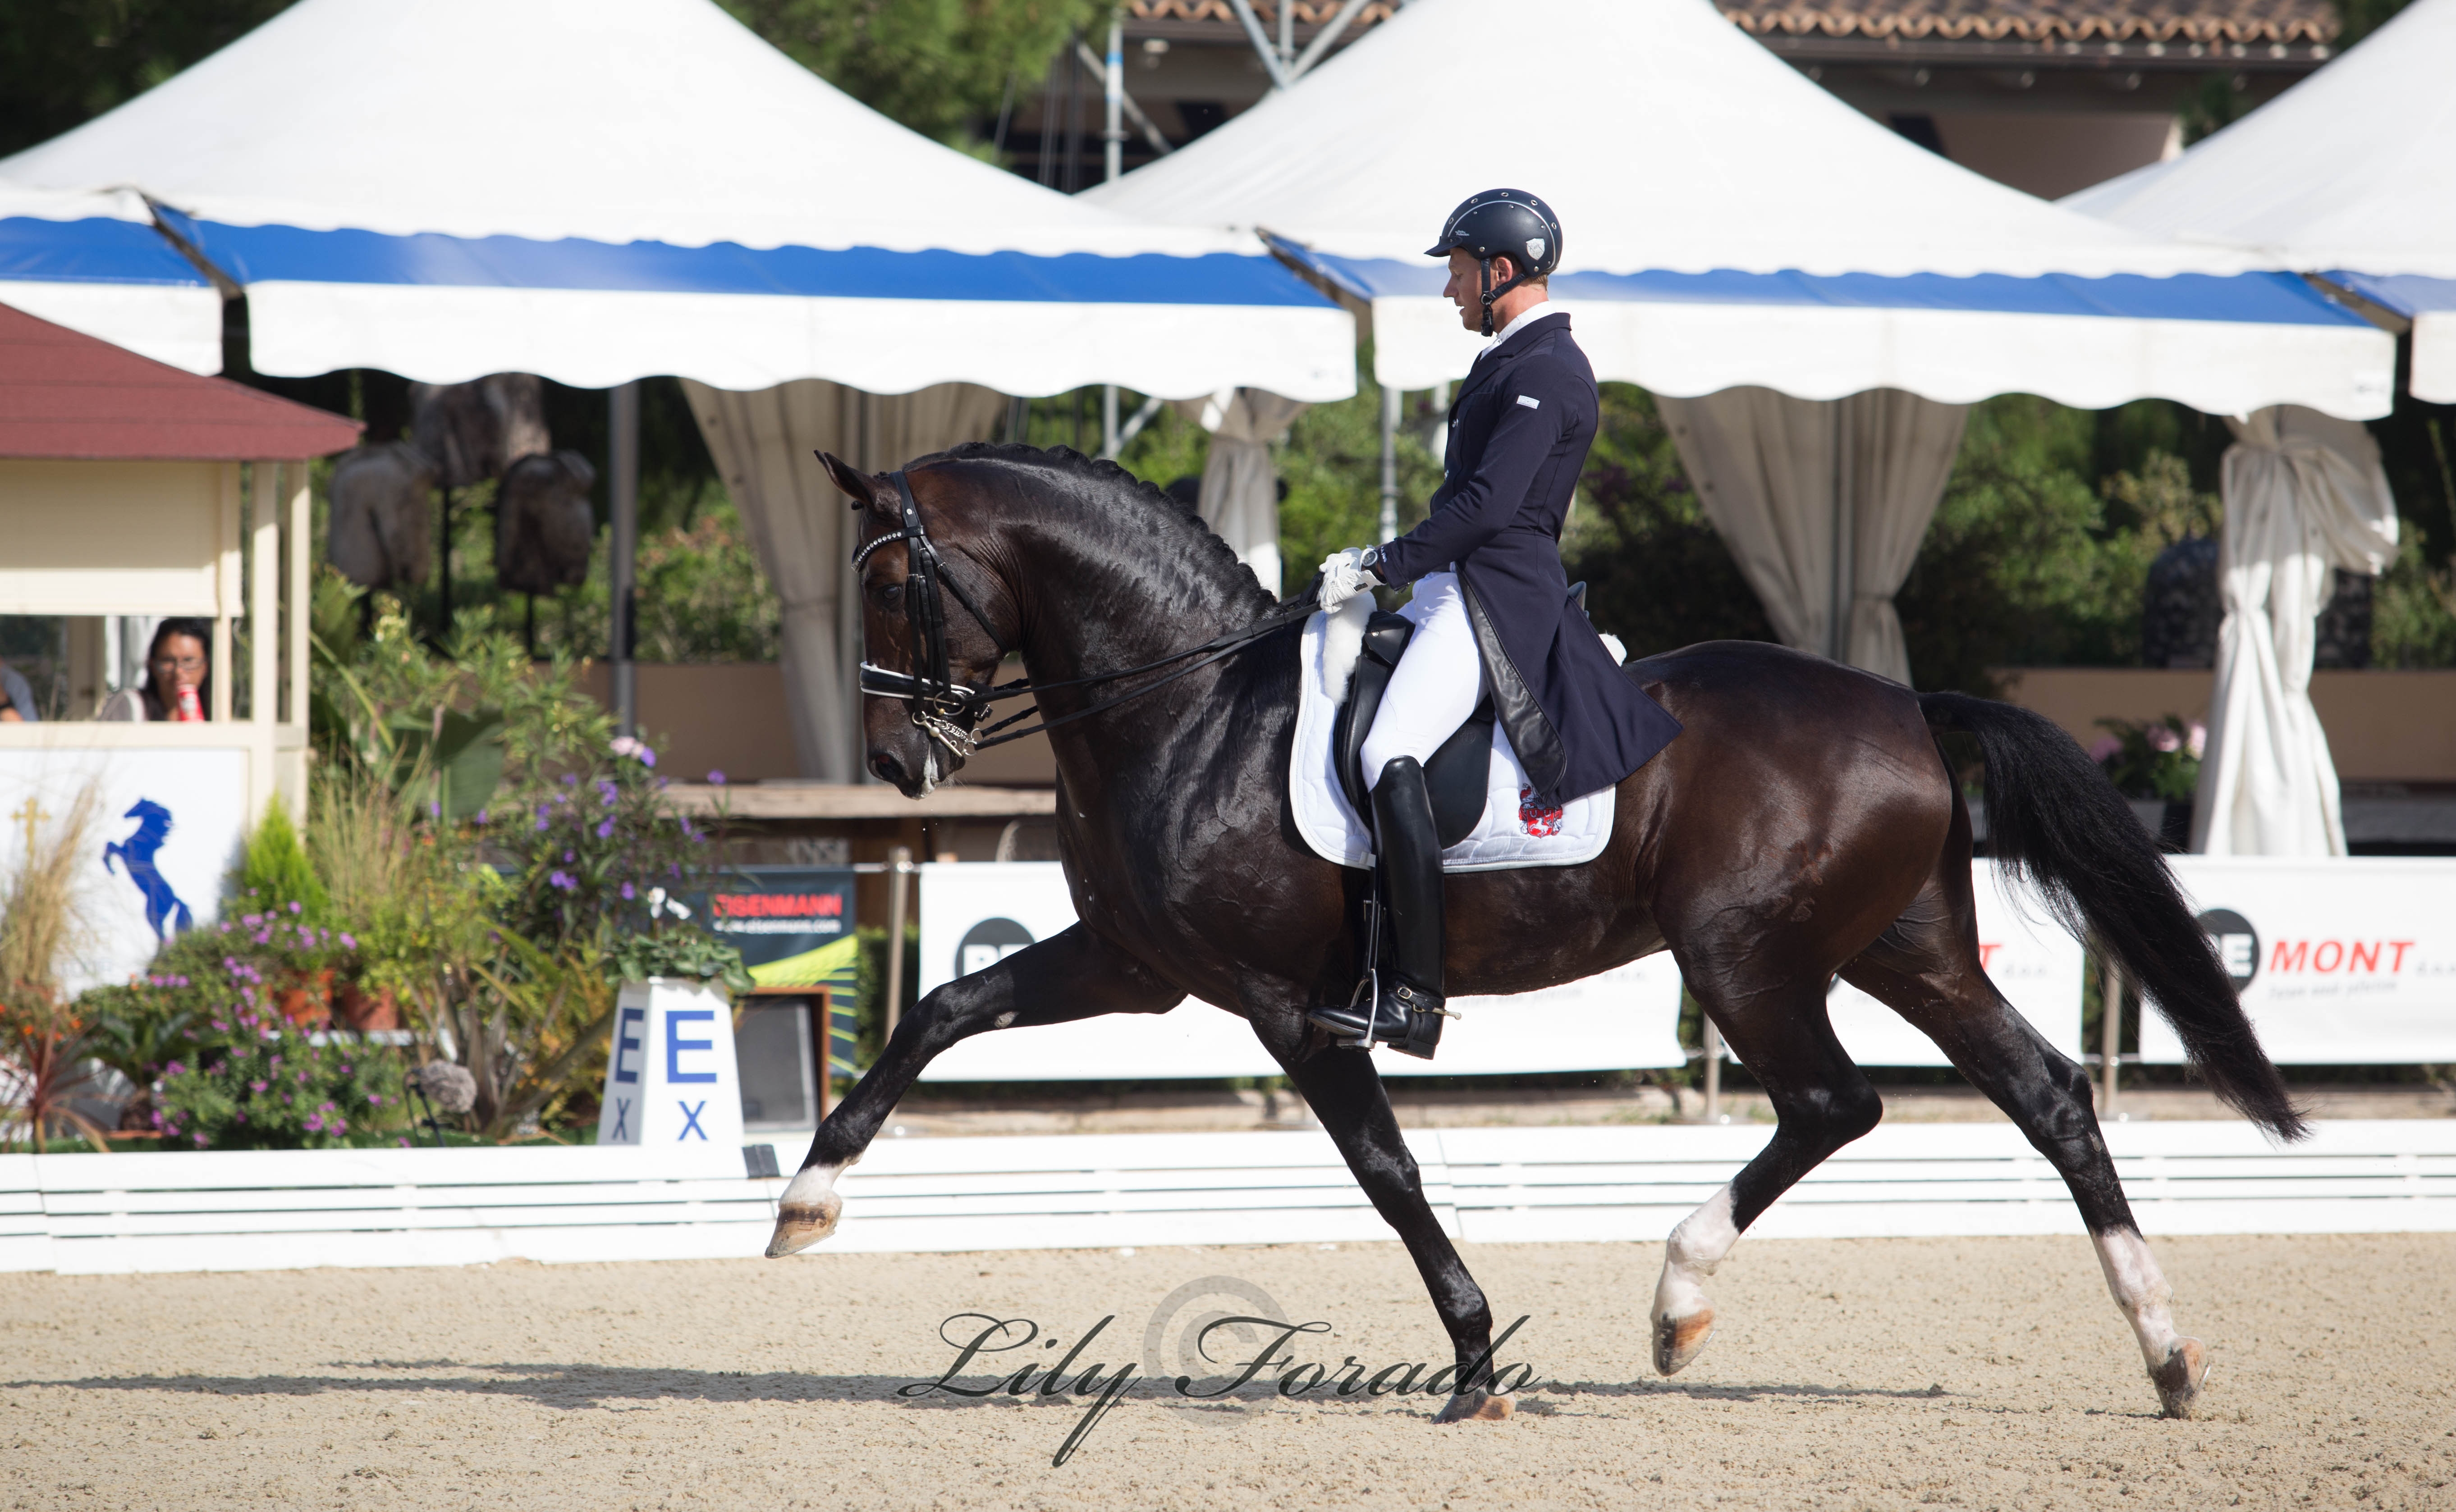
x=1503, y=223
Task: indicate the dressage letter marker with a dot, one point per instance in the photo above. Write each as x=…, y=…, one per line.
x=671, y=1081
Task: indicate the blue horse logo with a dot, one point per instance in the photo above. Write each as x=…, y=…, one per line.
x=152, y=827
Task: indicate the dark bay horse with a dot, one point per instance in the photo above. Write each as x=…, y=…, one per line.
x=1806, y=825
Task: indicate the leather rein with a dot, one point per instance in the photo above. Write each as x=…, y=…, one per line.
x=947, y=710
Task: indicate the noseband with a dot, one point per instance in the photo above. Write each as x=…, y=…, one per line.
x=947, y=710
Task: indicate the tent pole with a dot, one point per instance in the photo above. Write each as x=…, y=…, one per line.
x=1113, y=164
x=1391, y=399
x=1112, y=84
x=1837, y=613
x=622, y=419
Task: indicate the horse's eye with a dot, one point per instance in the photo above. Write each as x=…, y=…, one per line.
x=891, y=595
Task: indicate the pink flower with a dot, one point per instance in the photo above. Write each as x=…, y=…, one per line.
x=2198, y=743
x=2107, y=748
x=2162, y=737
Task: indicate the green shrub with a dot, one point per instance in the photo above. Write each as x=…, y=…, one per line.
x=275, y=870
x=250, y=1081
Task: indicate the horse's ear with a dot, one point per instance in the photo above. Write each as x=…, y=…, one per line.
x=863, y=490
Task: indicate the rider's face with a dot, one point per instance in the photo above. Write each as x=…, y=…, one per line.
x=1466, y=290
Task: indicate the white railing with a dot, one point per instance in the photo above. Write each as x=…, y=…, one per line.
x=133, y=1213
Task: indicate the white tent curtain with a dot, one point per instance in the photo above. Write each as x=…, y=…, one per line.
x=1240, y=485
x=1820, y=501
x=765, y=446
x=2304, y=494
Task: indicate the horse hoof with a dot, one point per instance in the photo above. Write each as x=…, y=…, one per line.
x=1475, y=1406
x=808, y=1212
x=1677, y=1340
x=2178, y=1380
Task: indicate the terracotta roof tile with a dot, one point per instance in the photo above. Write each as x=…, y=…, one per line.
x=2297, y=22
x=67, y=395
x=2305, y=22
x=1308, y=12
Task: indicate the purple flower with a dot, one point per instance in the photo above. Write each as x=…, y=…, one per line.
x=175, y=1069
x=716, y=779
x=481, y=817
x=221, y=1027
x=200, y=1141
x=627, y=892
x=570, y=779
x=605, y=831
x=433, y=809
x=347, y=942
x=541, y=820
x=568, y=856
x=563, y=879
x=251, y=920
x=256, y=1086
x=376, y=1098
x=297, y=908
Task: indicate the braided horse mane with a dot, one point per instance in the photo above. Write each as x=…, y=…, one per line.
x=1141, y=508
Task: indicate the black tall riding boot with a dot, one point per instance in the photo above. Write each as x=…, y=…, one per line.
x=1407, y=1000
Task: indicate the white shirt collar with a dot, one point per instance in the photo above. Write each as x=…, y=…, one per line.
x=1526, y=318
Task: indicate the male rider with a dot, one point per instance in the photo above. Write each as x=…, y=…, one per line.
x=1492, y=610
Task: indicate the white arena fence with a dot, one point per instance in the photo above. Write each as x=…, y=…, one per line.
x=280, y=1210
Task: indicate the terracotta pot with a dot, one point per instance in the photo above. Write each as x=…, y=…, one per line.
x=307, y=998
x=355, y=1008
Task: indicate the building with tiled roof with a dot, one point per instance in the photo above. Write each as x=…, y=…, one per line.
x=2048, y=95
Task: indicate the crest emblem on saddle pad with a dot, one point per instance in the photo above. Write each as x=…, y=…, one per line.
x=1535, y=819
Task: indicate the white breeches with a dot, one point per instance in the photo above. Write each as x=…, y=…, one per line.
x=1438, y=683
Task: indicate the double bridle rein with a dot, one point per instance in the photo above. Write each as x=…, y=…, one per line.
x=947, y=710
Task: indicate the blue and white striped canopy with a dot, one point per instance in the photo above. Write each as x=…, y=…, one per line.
x=1727, y=222
x=602, y=190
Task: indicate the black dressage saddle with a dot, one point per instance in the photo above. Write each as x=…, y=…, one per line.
x=1459, y=773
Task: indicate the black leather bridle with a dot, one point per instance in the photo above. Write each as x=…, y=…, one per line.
x=947, y=710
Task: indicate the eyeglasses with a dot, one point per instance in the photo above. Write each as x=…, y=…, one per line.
x=181, y=664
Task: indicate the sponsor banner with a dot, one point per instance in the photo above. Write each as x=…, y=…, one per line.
x=974, y=913
x=2032, y=961
x=793, y=925
x=2345, y=960
x=169, y=824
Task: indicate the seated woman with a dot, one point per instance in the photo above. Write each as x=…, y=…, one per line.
x=16, y=696
x=179, y=677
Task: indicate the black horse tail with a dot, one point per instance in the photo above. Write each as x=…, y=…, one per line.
x=2053, y=816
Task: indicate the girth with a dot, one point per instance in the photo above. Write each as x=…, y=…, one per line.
x=1460, y=773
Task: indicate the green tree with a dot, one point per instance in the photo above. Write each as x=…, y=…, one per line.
x=64, y=62
x=940, y=67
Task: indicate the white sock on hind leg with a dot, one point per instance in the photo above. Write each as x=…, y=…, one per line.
x=2140, y=1290
x=1701, y=1242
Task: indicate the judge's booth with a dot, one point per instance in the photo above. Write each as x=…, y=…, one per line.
x=132, y=493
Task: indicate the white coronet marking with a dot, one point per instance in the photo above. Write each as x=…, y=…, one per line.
x=809, y=1210
x=2140, y=1290
x=1702, y=1241
x=1004, y=1019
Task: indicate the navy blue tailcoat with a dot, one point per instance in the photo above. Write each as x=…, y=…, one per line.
x=1518, y=435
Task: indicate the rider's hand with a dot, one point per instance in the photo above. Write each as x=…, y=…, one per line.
x=1342, y=578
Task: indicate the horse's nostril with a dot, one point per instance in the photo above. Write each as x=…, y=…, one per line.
x=887, y=767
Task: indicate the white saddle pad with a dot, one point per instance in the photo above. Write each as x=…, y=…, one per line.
x=1514, y=831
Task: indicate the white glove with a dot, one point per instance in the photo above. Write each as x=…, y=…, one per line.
x=1342, y=578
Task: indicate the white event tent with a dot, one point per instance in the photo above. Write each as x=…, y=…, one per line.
x=599, y=191
x=95, y=263
x=1744, y=244
x=2351, y=176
